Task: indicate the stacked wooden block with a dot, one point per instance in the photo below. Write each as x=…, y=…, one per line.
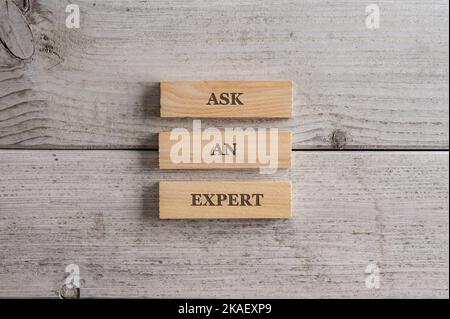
x=238, y=149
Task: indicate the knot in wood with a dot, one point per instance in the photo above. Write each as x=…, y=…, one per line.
x=339, y=139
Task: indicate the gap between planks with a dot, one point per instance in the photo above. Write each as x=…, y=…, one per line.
x=293, y=150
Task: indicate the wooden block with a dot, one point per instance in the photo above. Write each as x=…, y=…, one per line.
x=219, y=99
x=185, y=199
x=236, y=150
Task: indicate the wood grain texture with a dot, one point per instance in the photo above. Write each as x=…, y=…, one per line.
x=98, y=87
x=98, y=209
x=226, y=99
x=225, y=150
x=224, y=199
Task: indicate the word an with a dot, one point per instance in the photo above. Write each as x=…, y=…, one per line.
x=226, y=199
x=217, y=150
x=225, y=99
x=232, y=145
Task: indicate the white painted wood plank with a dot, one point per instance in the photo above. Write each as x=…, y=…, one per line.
x=98, y=209
x=97, y=86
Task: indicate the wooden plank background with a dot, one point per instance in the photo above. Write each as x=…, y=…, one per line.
x=79, y=117
x=98, y=209
x=98, y=86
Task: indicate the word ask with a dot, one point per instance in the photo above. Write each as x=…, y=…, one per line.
x=225, y=99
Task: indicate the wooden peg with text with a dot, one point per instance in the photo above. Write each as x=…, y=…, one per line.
x=220, y=199
x=225, y=150
x=226, y=99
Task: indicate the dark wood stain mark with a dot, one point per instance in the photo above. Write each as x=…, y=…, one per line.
x=15, y=33
x=99, y=226
x=67, y=292
x=339, y=139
